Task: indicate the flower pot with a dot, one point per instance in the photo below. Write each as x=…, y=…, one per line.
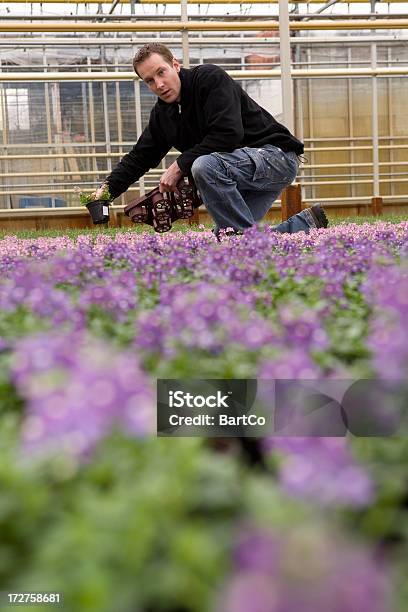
x=99, y=211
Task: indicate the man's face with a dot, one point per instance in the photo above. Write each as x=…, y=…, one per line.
x=161, y=78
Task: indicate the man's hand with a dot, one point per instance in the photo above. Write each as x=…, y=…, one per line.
x=170, y=178
x=98, y=193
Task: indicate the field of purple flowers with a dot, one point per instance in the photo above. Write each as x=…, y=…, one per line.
x=96, y=507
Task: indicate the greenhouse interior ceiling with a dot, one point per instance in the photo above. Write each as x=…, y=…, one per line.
x=71, y=105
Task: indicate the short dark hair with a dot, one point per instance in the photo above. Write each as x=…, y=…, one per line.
x=148, y=49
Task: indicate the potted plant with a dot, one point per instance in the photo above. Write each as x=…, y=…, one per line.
x=98, y=209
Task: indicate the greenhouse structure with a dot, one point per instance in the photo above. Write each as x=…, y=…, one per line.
x=71, y=105
x=203, y=306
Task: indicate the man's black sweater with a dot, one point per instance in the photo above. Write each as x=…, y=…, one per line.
x=214, y=114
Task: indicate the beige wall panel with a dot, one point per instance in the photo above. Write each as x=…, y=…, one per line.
x=329, y=118
x=399, y=88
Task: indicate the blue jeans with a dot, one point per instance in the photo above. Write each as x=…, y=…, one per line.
x=238, y=188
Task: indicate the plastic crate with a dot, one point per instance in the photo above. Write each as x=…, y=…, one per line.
x=37, y=202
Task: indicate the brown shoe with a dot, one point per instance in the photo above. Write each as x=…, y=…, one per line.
x=319, y=216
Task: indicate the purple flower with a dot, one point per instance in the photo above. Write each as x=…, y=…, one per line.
x=114, y=293
x=201, y=316
x=291, y=364
x=302, y=327
x=77, y=389
x=307, y=570
x=386, y=289
x=4, y=344
x=322, y=471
